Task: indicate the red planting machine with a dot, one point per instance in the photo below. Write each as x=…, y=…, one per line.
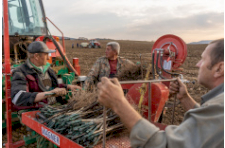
x=168, y=54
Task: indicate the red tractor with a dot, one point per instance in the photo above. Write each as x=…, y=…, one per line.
x=94, y=44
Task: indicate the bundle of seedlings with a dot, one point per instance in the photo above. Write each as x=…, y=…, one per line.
x=81, y=120
x=133, y=73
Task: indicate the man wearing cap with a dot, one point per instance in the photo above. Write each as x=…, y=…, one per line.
x=34, y=80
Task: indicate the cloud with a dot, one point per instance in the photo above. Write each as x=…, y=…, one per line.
x=199, y=23
x=137, y=20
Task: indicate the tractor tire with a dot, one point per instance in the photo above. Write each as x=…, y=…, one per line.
x=89, y=46
x=96, y=46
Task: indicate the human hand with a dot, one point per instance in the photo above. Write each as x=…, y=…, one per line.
x=110, y=92
x=59, y=91
x=178, y=88
x=73, y=87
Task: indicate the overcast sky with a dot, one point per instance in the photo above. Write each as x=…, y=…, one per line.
x=144, y=20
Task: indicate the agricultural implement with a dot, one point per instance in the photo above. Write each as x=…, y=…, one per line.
x=168, y=54
x=24, y=21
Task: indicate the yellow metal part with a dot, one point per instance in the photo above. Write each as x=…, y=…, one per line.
x=143, y=89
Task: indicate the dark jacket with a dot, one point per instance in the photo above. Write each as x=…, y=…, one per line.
x=26, y=84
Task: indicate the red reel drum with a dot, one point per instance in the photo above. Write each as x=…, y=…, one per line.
x=174, y=48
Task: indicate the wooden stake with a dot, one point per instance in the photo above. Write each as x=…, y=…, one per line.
x=104, y=126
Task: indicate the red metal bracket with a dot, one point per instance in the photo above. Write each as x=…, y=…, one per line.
x=126, y=86
x=28, y=119
x=16, y=144
x=159, y=96
x=59, y=31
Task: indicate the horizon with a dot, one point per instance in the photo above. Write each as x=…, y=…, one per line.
x=129, y=40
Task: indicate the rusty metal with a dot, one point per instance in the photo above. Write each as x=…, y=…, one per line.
x=16, y=49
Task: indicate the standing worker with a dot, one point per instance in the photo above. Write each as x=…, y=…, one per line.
x=203, y=125
x=108, y=66
x=73, y=45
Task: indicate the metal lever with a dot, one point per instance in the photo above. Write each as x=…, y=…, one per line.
x=183, y=80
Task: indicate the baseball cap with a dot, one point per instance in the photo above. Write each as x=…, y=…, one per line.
x=39, y=47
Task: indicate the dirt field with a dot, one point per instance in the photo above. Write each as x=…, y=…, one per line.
x=132, y=50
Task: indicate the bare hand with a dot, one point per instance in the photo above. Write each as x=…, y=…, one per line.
x=73, y=87
x=59, y=91
x=178, y=88
x=110, y=92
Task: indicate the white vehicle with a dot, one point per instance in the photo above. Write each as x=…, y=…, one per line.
x=84, y=45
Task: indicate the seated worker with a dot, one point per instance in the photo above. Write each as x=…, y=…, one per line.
x=108, y=66
x=33, y=80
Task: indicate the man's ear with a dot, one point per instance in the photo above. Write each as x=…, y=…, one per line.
x=36, y=56
x=115, y=52
x=219, y=69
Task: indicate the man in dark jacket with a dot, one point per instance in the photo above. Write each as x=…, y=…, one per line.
x=33, y=80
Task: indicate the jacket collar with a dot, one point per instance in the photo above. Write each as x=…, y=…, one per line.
x=29, y=68
x=118, y=66
x=35, y=68
x=213, y=93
